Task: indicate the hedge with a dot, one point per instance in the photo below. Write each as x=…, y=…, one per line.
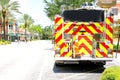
x=3, y=42
x=111, y=73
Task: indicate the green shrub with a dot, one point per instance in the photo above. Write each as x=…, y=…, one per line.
x=3, y=42
x=115, y=47
x=111, y=73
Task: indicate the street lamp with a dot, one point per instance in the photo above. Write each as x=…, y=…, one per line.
x=4, y=15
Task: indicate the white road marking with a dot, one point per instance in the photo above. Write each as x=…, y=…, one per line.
x=42, y=70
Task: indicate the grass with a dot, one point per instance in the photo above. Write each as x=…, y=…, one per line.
x=111, y=73
x=4, y=42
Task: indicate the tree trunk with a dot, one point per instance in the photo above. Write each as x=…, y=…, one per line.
x=0, y=30
x=26, y=34
x=4, y=28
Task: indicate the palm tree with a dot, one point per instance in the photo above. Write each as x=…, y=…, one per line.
x=7, y=8
x=28, y=21
x=36, y=29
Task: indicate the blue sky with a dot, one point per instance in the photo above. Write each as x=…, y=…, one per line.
x=35, y=8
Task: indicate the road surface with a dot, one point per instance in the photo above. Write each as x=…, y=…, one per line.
x=34, y=61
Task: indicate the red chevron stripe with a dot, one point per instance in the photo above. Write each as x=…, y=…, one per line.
x=59, y=28
x=106, y=46
x=80, y=37
x=89, y=31
x=85, y=47
x=58, y=39
x=77, y=30
x=95, y=28
x=111, y=19
x=109, y=28
x=70, y=27
x=62, y=45
x=63, y=54
x=57, y=19
x=86, y=38
x=102, y=53
x=108, y=38
x=101, y=24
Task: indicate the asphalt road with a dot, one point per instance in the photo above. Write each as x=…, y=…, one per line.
x=35, y=61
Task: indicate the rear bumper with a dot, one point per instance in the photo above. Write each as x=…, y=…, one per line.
x=83, y=59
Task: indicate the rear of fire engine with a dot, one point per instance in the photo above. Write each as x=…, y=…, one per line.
x=83, y=35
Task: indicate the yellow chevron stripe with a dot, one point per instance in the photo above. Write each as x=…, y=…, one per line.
x=67, y=46
x=98, y=25
x=90, y=37
x=86, y=23
x=109, y=33
x=60, y=21
x=98, y=54
x=85, y=42
x=86, y=33
x=108, y=21
x=92, y=29
x=83, y=50
x=57, y=35
x=110, y=46
x=69, y=54
x=67, y=25
x=62, y=50
x=78, y=24
x=102, y=47
x=71, y=31
x=61, y=41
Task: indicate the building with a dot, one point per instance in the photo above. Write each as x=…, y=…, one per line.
x=11, y=29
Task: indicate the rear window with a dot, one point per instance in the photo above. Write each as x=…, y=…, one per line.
x=84, y=15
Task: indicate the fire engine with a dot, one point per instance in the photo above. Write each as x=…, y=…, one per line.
x=83, y=35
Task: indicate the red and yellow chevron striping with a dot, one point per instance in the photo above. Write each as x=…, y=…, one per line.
x=85, y=45
x=102, y=51
x=75, y=28
x=109, y=31
x=83, y=32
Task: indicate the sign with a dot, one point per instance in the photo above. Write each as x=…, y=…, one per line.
x=106, y=3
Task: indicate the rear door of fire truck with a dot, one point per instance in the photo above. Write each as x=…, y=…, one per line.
x=82, y=41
